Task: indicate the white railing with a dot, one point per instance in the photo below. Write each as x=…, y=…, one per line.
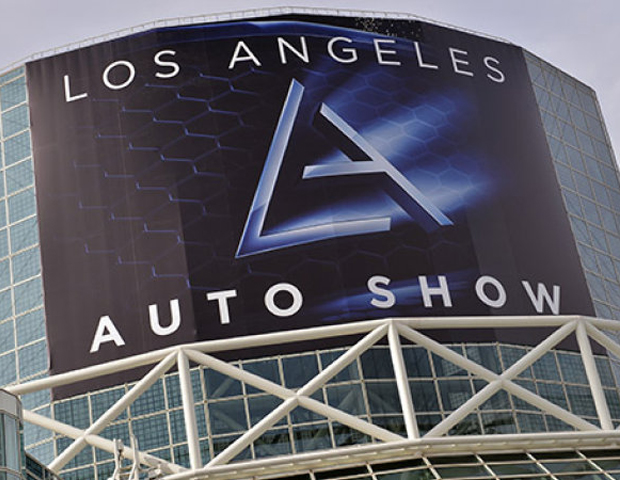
x=386, y=444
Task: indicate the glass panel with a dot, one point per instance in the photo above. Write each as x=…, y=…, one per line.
x=554, y=393
x=275, y=442
x=262, y=406
x=347, y=374
x=454, y=393
x=299, y=369
x=424, y=396
x=150, y=401
x=348, y=398
x=383, y=397
x=312, y=437
x=151, y=432
x=572, y=367
x=227, y=416
x=221, y=386
x=30, y=327
x=377, y=363
x=267, y=369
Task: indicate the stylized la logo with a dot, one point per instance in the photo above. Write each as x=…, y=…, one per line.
x=411, y=199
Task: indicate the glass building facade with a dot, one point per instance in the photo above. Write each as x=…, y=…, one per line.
x=225, y=408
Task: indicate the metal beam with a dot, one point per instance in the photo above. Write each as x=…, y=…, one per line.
x=189, y=413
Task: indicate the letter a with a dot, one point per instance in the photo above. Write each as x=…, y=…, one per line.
x=106, y=332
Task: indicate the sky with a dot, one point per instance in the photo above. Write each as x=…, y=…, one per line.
x=578, y=36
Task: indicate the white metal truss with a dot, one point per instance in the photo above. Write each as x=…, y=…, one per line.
x=386, y=444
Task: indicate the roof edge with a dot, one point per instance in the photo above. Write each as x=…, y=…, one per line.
x=235, y=15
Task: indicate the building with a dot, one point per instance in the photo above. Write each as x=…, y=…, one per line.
x=502, y=239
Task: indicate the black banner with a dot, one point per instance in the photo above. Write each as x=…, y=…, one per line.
x=210, y=181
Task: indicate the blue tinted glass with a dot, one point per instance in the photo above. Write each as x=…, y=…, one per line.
x=614, y=245
x=261, y=406
x=349, y=372
x=32, y=359
x=24, y=234
x=26, y=264
x=600, y=194
x=590, y=211
x=4, y=243
x=21, y=205
x=299, y=369
x=583, y=185
x=6, y=309
x=348, y=398
x=17, y=148
x=580, y=400
x=7, y=368
x=19, y=176
x=30, y=327
x=594, y=168
x=597, y=287
x=606, y=266
x=454, y=393
x=580, y=230
x=267, y=369
x=5, y=274
x=152, y=432
x=585, y=142
x=383, y=397
x=227, y=416
x=220, y=386
x=417, y=362
x=7, y=338
x=28, y=296
x=150, y=401
x=573, y=204
x=12, y=94
x=588, y=258
x=565, y=177
x=15, y=120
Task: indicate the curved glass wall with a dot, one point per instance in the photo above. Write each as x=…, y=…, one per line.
x=225, y=408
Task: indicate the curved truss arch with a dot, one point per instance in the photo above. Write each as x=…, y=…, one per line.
x=386, y=444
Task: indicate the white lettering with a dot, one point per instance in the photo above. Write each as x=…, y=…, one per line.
x=106, y=332
x=442, y=290
x=288, y=288
x=380, y=52
x=222, y=303
x=542, y=296
x=303, y=54
x=173, y=65
x=237, y=57
x=485, y=280
x=119, y=86
x=175, y=323
x=351, y=52
x=459, y=61
x=500, y=78
x=68, y=96
x=421, y=63
x=374, y=283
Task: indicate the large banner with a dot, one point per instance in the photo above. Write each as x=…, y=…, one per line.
x=209, y=181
